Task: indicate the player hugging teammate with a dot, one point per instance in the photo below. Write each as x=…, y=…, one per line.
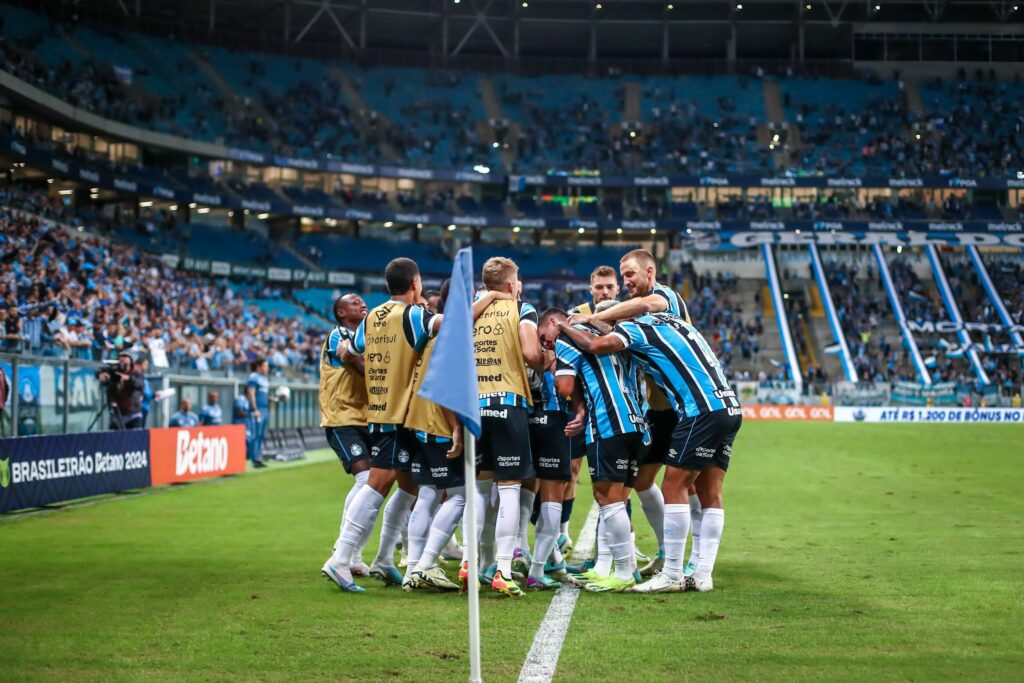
x=632, y=383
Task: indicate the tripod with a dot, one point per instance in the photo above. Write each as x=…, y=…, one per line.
x=106, y=408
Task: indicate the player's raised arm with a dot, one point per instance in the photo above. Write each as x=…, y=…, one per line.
x=486, y=299
x=592, y=343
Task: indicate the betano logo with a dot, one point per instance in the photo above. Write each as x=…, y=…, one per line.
x=5, y=473
x=200, y=455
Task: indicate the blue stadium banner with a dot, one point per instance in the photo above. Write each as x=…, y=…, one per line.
x=40, y=470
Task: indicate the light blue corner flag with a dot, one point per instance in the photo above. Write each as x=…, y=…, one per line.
x=451, y=377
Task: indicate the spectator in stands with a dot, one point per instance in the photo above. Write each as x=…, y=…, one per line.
x=210, y=415
x=11, y=330
x=185, y=417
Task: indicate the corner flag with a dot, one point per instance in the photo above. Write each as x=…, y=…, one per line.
x=451, y=383
x=451, y=377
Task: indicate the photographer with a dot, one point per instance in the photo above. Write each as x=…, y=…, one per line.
x=123, y=384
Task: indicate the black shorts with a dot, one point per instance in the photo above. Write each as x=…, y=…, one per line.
x=578, y=445
x=616, y=459
x=550, y=445
x=504, y=444
x=661, y=424
x=704, y=440
x=350, y=444
x=431, y=466
x=392, y=450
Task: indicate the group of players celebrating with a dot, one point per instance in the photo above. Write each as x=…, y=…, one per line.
x=632, y=385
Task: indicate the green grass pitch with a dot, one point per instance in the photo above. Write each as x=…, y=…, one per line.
x=851, y=552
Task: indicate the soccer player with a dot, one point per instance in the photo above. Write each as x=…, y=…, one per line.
x=604, y=286
x=343, y=404
x=686, y=369
x=639, y=269
x=616, y=436
x=390, y=339
x=552, y=424
x=211, y=414
x=504, y=337
x=438, y=469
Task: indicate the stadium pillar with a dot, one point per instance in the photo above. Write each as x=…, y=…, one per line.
x=477, y=235
x=600, y=237
x=184, y=213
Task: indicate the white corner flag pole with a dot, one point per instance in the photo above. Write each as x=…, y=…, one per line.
x=469, y=540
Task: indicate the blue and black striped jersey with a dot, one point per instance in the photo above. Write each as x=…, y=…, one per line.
x=338, y=335
x=679, y=361
x=545, y=396
x=612, y=409
x=676, y=305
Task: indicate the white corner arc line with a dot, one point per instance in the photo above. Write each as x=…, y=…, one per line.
x=542, y=659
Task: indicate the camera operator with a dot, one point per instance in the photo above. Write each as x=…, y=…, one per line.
x=123, y=384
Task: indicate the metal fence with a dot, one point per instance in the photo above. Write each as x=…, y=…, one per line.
x=56, y=396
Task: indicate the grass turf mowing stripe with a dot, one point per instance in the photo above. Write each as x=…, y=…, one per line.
x=542, y=659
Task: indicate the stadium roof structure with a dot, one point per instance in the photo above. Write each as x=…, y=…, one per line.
x=569, y=34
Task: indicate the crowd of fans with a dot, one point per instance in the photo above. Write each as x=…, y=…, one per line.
x=735, y=336
x=65, y=294
x=863, y=312
x=967, y=128
x=690, y=138
x=1004, y=368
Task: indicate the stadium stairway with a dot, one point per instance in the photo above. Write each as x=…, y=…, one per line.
x=362, y=115
x=749, y=292
x=231, y=97
x=776, y=114
x=492, y=106
x=631, y=109
x=913, y=95
x=302, y=258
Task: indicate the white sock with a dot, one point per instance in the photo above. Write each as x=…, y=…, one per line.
x=443, y=526
x=359, y=522
x=711, y=524
x=677, y=523
x=653, y=504
x=603, y=565
x=526, y=498
x=545, y=536
x=507, y=527
x=396, y=517
x=563, y=528
x=484, y=523
x=695, y=515
x=620, y=543
x=556, y=554
x=419, y=524
x=360, y=482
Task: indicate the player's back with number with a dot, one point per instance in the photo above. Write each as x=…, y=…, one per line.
x=680, y=361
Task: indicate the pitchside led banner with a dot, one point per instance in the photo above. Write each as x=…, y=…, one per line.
x=41, y=470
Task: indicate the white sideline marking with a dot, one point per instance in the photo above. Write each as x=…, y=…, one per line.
x=542, y=659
